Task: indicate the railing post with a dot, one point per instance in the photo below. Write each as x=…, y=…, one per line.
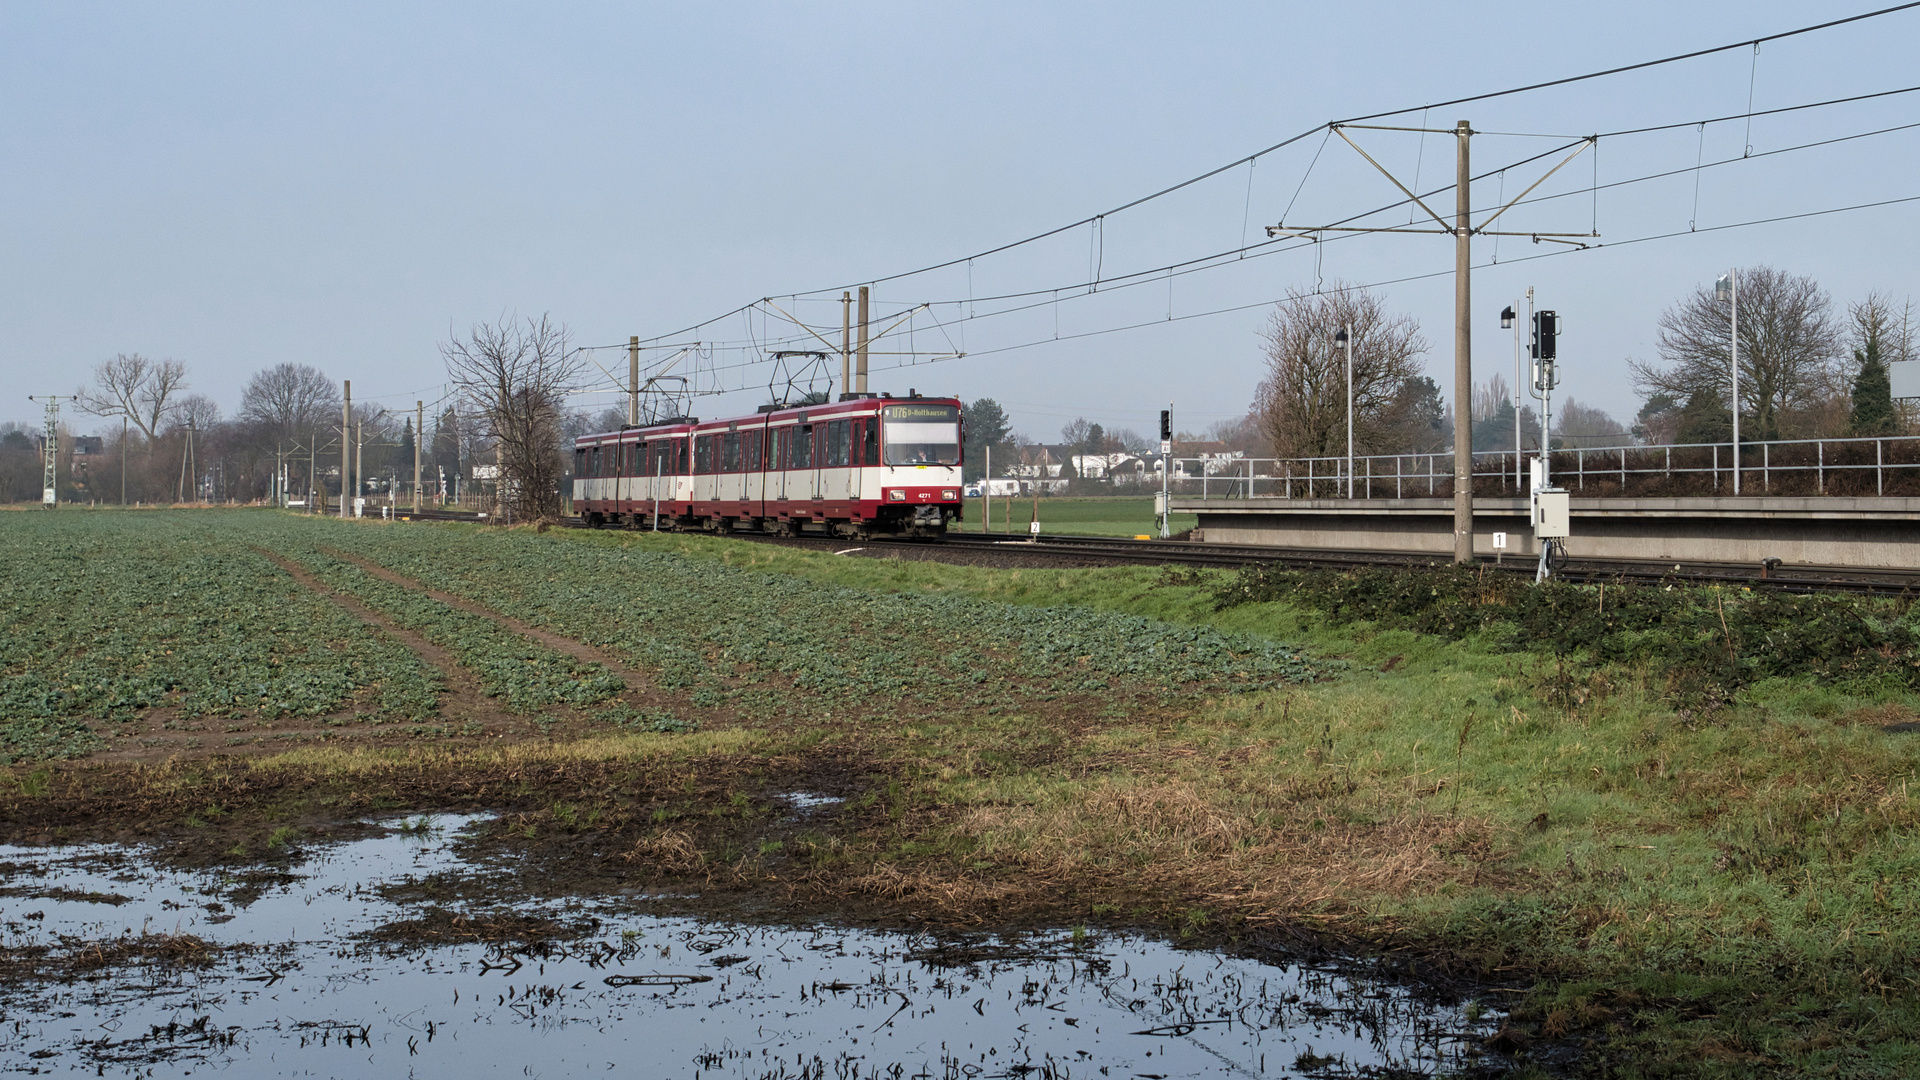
x=1397, y=470
x=1580, y=466
x=1716, y=467
x=1623, y=470
x=1766, y=467
x=1879, y=466
x=1820, y=464
x=1669, y=462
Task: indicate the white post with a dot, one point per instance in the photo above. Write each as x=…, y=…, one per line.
x=986, y=494
x=1735, y=275
x=1346, y=332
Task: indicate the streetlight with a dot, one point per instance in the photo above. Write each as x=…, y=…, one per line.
x=1726, y=290
x=1343, y=340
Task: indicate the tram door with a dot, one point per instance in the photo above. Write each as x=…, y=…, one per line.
x=753, y=469
x=837, y=449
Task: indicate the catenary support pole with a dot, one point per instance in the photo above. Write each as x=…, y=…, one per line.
x=846, y=342
x=123, y=461
x=1462, y=352
x=860, y=376
x=359, y=436
x=633, y=380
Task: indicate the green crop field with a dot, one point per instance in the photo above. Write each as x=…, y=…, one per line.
x=1669, y=830
x=1115, y=515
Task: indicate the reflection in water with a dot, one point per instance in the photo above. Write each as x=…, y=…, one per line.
x=312, y=976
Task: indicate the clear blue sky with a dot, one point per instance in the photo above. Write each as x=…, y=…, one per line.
x=342, y=185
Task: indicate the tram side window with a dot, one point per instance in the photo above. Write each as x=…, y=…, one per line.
x=753, y=451
x=839, y=443
x=871, y=439
x=593, y=462
x=730, y=452
x=580, y=462
x=800, y=447
x=703, y=455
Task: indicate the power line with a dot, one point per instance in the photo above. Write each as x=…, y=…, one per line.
x=1210, y=173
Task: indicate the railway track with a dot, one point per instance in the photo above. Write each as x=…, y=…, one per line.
x=1108, y=551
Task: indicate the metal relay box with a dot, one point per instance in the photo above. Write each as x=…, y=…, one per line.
x=1552, y=514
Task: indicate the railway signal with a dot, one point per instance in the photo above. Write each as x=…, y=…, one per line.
x=1164, y=509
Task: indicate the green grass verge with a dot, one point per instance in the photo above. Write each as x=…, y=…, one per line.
x=1115, y=515
x=1721, y=891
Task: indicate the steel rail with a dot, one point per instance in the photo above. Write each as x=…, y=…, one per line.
x=1110, y=550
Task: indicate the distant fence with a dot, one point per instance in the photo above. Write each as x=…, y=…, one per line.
x=1888, y=465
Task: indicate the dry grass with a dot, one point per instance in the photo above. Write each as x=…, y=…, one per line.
x=1270, y=861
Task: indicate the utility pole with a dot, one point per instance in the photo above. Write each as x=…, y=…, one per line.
x=419, y=432
x=50, y=454
x=633, y=381
x=860, y=386
x=346, y=450
x=187, y=467
x=846, y=341
x=358, y=435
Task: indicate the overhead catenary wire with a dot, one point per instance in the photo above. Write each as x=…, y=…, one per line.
x=1290, y=140
x=1052, y=294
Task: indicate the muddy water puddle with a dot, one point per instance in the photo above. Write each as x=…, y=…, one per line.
x=334, y=965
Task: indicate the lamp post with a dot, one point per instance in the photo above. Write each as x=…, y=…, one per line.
x=1343, y=338
x=1727, y=291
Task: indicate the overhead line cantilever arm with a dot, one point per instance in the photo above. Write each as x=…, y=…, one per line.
x=831, y=347
x=1390, y=176
x=1581, y=149
x=911, y=312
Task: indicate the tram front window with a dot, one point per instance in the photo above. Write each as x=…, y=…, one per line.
x=921, y=434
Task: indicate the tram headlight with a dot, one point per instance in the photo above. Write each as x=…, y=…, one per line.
x=947, y=495
x=896, y=495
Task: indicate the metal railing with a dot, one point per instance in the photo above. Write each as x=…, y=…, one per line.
x=1874, y=466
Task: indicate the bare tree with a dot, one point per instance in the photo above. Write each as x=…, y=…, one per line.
x=197, y=411
x=290, y=400
x=514, y=376
x=130, y=385
x=1788, y=348
x=1883, y=320
x=1303, y=400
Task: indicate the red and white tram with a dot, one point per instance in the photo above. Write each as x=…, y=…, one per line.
x=856, y=467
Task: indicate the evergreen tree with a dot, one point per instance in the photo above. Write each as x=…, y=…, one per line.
x=406, y=445
x=1872, y=393
x=983, y=424
x=1705, y=418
